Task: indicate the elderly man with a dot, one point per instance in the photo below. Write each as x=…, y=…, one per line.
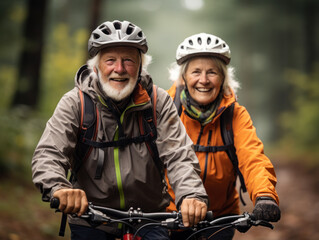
x=122, y=166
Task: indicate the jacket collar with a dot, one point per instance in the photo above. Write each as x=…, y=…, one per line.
x=226, y=102
x=140, y=95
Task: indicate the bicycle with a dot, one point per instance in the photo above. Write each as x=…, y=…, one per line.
x=97, y=215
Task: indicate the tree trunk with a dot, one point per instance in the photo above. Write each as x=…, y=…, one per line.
x=95, y=14
x=28, y=82
x=310, y=40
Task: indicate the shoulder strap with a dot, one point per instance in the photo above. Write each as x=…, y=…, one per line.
x=177, y=99
x=87, y=129
x=226, y=127
x=148, y=123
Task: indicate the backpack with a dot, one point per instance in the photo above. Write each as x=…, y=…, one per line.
x=226, y=127
x=89, y=128
x=88, y=132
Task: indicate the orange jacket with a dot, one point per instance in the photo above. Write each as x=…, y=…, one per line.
x=258, y=171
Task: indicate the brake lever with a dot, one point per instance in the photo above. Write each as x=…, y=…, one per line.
x=95, y=216
x=245, y=223
x=263, y=223
x=172, y=223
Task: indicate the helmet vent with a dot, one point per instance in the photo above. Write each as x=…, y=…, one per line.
x=190, y=42
x=217, y=41
x=199, y=40
x=101, y=26
x=117, y=25
x=209, y=40
x=106, y=31
x=96, y=36
x=129, y=30
x=140, y=34
x=224, y=45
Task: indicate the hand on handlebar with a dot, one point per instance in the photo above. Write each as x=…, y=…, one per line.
x=266, y=209
x=193, y=211
x=72, y=201
x=97, y=215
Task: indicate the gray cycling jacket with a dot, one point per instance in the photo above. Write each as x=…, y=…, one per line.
x=130, y=177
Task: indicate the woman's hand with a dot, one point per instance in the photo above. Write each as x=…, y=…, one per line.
x=266, y=209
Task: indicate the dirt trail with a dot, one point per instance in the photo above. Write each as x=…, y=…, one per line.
x=298, y=191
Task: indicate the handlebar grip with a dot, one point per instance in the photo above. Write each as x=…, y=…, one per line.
x=209, y=216
x=54, y=203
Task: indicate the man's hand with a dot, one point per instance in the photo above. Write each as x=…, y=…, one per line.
x=72, y=201
x=193, y=211
x=266, y=209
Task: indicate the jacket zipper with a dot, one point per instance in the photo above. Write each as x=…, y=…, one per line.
x=207, y=154
x=117, y=158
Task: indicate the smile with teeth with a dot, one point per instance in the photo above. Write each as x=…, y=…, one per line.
x=203, y=89
x=119, y=79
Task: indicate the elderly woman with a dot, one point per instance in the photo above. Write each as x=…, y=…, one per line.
x=204, y=92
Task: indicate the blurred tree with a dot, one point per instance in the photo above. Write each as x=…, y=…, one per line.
x=301, y=122
x=310, y=11
x=27, y=90
x=95, y=14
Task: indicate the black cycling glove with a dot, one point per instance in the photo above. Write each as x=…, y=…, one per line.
x=266, y=209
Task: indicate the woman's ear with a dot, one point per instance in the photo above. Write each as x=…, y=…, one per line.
x=183, y=79
x=94, y=69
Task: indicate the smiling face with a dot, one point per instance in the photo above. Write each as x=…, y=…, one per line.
x=203, y=80
x=118, y=71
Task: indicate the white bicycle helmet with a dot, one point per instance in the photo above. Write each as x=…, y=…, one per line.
x=202, y=44
x=116, y=33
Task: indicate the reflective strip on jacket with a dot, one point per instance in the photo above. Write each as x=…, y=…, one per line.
x=257, y=169
x=130, y=177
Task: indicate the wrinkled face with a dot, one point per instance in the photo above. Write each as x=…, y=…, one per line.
x=203, y=80
x=118, y=71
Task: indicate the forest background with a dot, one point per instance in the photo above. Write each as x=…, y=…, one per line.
x=274, y=45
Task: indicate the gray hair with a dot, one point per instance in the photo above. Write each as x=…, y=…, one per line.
x=176, y=73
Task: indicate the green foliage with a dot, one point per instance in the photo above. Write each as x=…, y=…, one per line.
x=18, y=13
x=301, y=123
x=19, y=135
x=65, y=53
x=7, y=81
x=20, y=128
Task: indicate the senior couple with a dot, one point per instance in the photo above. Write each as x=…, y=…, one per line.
x=187, y=115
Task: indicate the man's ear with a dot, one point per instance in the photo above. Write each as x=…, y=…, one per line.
x=94, y=69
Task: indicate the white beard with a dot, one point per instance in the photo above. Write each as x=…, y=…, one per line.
x=116, y=94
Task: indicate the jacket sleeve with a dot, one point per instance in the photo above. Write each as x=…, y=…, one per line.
x=257, y=169
x=176, y=150
x=53, y=155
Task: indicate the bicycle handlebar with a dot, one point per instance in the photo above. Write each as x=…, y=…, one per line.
x=105, y=214
x=97, y=215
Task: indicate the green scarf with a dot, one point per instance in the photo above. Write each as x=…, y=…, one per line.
x=202, y=114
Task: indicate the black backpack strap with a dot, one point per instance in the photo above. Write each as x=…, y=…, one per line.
x=226, y=127
x=122, y=142
x=62, y=225
x=147, y=125
x=88, y=129
x=201, y=148
x=177, y=99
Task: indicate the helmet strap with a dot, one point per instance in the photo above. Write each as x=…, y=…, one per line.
x=139, y=76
